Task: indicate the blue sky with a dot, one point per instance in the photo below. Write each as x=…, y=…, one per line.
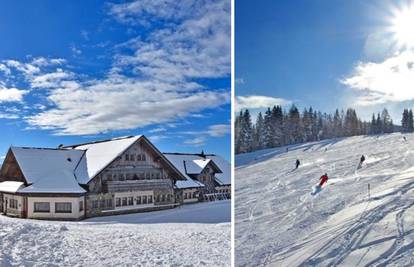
x=76, y=71
x=325, y=54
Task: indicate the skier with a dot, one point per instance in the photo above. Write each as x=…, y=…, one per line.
x=324, y=179
x=297, y=163
x=361, y=161
x=405, y=139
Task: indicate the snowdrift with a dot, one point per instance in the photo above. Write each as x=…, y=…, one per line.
x=279, y=222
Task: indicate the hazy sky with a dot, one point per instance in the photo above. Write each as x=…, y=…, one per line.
x=326, y=54
x=75, y=71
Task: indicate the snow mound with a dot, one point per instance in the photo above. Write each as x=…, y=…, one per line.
x=362, y=217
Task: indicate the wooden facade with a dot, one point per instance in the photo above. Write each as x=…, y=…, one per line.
x=139, y=179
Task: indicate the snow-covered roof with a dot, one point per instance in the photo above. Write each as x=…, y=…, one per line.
x=178, y=162
x=195, y=163
x=196, y=166
x=49, y=170
x=10, y=186
x=223, y=178
x=99, y=155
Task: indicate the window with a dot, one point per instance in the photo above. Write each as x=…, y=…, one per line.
x=158, y=198
x=143, y=157
x=121, y=177
x=13, y=203
x=127, y=157
x=41, y=207
x=102, y=203
x=80, y=205
x=132, y=157
x=109, y=177
x=94, y=204
x=195, y=195
x=138, y=200
x=162, y=198
x=63, y=207
x=168, y=197
x=152, y=175
x=109, y=203
x=124, y=201
x=138, y=157
x=130, y=201
x=149, y=199
x=144, y=200
x=118, y=202
x=185, y=195
x=158, y=176
x=128, y=176
x=147, y=175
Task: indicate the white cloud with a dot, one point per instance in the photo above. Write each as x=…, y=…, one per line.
x=216, y=130
x=258, y=101
x=152, y=79
x=8, y=116
x=42, y=61
x=121, y=104
x=51, y=80
x=219, y=130
x=158, y=130
x=391, y=80
x=11, y=94
x=5, y=69
x=25, y=68
x=197, y=142
x=195, y=44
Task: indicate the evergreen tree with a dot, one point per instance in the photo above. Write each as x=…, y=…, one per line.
x=268, y=130
x=237, y=132
x=294, y=126
x=246, y=133
x=378, y=124
x=373, y=129
x=410, y=122
x=277, y=125
x=404, y=121
x=259, y=132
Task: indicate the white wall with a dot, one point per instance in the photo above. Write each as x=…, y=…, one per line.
x=52, y=214
x=19, y=209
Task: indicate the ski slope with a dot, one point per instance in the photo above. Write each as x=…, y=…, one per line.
x=191, y=235
x=279, y=223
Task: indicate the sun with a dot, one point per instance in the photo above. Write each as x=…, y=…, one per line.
x=402, y=26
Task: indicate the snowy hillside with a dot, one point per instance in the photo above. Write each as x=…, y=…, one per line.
x=279, y=223
x=192, y=235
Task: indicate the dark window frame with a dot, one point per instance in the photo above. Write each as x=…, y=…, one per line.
x=37, y=210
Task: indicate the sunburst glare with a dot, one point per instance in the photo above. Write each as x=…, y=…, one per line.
x=402, y=26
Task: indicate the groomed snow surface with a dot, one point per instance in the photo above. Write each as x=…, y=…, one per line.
x=191, y=235
x=279, y=223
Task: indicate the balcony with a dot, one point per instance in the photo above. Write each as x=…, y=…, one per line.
x=136, y=185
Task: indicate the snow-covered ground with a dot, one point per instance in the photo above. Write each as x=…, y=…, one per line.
x=191, y=235
x=279, y=223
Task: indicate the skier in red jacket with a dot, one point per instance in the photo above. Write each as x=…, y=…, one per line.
x=324, y=179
